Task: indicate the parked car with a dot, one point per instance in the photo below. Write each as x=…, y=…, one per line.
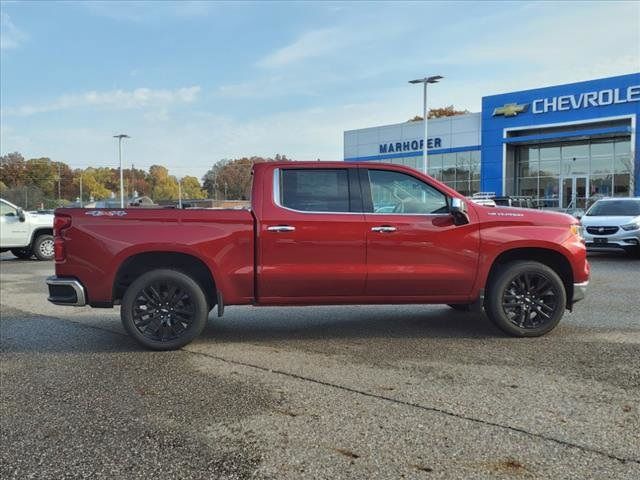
x=25, y=233
x=613, y=223
x=487, y=202
x=490, y=199
x=314, y=235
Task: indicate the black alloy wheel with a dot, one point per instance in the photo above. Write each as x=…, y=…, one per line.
x=525, y=299
x=530, y=300
x=164, y=309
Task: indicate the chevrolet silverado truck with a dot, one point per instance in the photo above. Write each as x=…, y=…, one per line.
x=320, y=233
x=25, y=233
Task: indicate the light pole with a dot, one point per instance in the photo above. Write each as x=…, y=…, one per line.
x=120, y=137
x=425, y=81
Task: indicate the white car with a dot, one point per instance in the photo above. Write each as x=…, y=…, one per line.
x=613, y=223
x=25, y=233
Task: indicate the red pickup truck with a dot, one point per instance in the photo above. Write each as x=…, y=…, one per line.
x=320, y=233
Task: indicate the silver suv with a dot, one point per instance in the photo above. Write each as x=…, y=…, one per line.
x=613, y=223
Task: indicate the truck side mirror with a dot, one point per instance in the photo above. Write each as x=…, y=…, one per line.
x=459, y=211
x=21, y=215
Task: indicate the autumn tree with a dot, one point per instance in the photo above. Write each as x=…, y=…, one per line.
x=12, y=169
x=441, y=112
x=92, y=188
x=231, y=179
x=163, y=186
x=191, y=188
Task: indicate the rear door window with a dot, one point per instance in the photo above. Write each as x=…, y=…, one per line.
x=315, y=190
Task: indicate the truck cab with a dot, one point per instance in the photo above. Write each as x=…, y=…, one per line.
x=26, y=234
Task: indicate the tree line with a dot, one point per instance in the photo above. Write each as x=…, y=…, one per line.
x=45, y=183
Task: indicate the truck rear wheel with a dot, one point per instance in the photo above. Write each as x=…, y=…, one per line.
x=164, y=309
x=43, y=247
x=23, y=253
x=526, y=299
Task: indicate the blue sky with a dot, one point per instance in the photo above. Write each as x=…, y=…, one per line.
x=196, y=82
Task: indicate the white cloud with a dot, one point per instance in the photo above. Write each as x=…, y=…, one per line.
x=114, y=99
x=190, y=145
x=10, y=35
x=313, y=43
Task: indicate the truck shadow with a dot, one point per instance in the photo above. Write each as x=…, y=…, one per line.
x=352, y=322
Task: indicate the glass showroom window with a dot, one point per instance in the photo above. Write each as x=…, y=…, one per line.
x=460, y=171
x=474, y=171
x=601, y=171
x=622, y=168
x=435, y=166
x=449, y=169
x=575, y=158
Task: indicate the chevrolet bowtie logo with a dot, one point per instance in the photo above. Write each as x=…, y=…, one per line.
x=510, y=109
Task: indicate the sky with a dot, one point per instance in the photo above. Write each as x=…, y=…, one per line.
x=196, y=82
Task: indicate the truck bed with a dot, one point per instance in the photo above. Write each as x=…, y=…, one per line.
x=99, y=242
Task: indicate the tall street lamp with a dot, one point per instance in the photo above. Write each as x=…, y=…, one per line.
x=425, y=81
x=120, y=137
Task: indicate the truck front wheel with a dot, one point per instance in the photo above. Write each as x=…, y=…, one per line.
x=164, y=309
x=526, y=299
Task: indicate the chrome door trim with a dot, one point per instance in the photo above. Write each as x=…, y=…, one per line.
x=384, y=229
x=281, y=228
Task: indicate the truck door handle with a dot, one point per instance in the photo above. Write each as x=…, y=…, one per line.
x=281, y=228
x=384, y=229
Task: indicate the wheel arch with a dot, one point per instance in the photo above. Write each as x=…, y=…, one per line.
x=39, y=231
x=135, y=265
x=547, y=256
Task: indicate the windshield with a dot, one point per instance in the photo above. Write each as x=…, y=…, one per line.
x=615, y=208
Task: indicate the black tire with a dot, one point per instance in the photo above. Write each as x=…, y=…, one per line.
x=460, y=307
x=22, y=253
x=164, y=309
x=526, y=299
x=43, y=247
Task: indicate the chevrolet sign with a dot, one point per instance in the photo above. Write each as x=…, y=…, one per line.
x=510, y=109
x=610, y=96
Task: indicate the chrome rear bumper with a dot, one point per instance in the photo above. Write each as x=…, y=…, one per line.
x=66, y=291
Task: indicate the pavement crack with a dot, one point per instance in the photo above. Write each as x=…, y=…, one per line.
x=364, y=393
x=421, y=407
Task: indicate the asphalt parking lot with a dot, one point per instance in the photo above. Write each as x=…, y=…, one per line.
x=331, y=392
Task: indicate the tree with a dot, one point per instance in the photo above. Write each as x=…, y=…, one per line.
x=43, y=173
x=91, y=185
x=163, y=186
x=12, y=169
x=441, y=112
x=231, y=179
x=191, y=188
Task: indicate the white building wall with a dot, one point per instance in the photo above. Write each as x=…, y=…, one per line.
x=454, y=132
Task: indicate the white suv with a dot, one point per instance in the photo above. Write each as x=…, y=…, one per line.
x=24, y=233
x=613, y=223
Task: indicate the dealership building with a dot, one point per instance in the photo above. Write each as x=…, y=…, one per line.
x=561, y=144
